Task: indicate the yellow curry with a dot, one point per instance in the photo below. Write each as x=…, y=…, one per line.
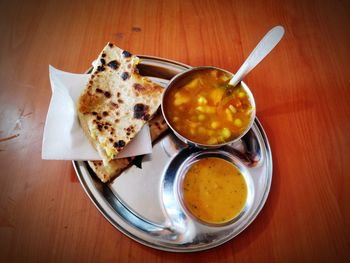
x=214, y=190
x=206, y=110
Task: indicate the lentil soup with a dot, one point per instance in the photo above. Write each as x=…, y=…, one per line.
x=214, y=190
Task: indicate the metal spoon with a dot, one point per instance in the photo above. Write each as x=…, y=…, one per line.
x=269, y=41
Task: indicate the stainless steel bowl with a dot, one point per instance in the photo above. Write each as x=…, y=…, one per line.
x=229, y=157
x=175, y=81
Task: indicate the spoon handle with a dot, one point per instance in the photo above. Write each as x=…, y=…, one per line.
x=269, y=41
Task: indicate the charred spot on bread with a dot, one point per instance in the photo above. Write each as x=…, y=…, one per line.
x=94, y=113
x=103, y=55
x=125, y=75
x=130, y=129
x=98, y=118
x=115, y=105
x=126, y=54
x=100, y=68
x=105, y=113
x=141, y=111
x=138, y=87
x=120, y=101
x=110, y=44
x=103, y=62
x=107, y=94
x=113, y=64
x=98, y=90
x=119, y=144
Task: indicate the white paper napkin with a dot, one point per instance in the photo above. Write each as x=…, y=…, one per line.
x=63, y=137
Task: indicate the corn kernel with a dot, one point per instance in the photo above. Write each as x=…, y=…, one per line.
x=202, y=100
x=200, y=108
x=238, y=122
x=212, y=141
x=214, y=124
x=201, y=117
x=226, y=133
x=220, y=139
x=241, y=94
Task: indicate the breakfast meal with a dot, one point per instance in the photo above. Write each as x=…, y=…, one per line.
x=116, y=102
x=209, y=170
x=115, y=167
x=214, y=190
x=205, y=109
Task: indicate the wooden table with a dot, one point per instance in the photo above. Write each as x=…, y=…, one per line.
x=302, y=93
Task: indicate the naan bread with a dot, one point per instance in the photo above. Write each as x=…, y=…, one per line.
x=115, y=167
x=117, y=102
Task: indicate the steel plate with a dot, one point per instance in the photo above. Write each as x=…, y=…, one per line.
x=144, y=204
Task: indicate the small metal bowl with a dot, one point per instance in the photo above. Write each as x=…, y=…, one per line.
x=182, y=172
x=178, y=80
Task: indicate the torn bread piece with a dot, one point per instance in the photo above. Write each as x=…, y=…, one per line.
x=115, y=167
x=117, y=102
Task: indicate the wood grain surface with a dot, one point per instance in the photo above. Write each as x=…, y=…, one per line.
x=302, y=92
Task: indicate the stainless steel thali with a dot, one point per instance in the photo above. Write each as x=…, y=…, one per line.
x=143, y=204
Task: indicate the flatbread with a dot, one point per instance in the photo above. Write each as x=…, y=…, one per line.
x=116, y=167
x=117, y=102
